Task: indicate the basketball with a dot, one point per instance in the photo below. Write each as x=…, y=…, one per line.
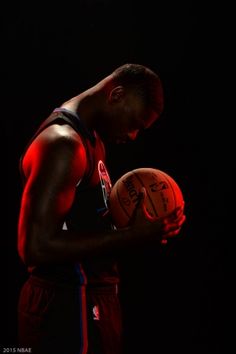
x=163, y=194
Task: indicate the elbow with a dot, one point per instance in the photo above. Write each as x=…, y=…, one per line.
x=34, y=235
x=32, y=253
x=32, y=257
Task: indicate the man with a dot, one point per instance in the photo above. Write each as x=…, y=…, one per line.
x=70, y=304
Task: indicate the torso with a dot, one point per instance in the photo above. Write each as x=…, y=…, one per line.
x=88, y=208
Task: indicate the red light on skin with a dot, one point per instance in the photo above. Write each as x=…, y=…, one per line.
x=164, y=242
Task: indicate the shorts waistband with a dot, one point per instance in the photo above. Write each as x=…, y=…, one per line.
x=90, y=288
x=102, y=288
x=33, y=279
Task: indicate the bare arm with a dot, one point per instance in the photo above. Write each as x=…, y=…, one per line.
x=53, y=165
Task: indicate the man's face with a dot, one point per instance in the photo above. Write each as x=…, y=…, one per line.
x=126, y=118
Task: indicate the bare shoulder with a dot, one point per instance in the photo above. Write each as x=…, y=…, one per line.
x=59, y=134
x=56, y=142
x=56, y=137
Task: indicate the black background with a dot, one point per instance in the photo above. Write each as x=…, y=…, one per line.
x=175, y=299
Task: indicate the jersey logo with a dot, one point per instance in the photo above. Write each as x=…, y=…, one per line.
x=96, y=314
x=105, y=182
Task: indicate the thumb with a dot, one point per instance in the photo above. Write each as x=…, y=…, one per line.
x=142, y=197
x=142, y=204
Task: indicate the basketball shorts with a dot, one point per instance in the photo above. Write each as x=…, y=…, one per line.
x=69, y=319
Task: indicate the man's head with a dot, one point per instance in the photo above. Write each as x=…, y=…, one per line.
x=133, y=101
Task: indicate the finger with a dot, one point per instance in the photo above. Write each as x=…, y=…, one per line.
x=141, y=197
x=178, y=210
x=143, y=193
x=140, y=206
x=171, y=234
x=175, y=218
x=178, y=221
x=164, y=242
x=182, y=220
x=172, y=227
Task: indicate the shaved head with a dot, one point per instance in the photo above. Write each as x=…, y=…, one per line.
x=142, y=81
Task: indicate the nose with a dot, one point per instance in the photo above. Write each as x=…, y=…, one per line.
x=132, y=135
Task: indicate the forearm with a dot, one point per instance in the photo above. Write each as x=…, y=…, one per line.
x=70, y=246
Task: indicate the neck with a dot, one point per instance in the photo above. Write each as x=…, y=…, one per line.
x=81, y=105
x=88, y=103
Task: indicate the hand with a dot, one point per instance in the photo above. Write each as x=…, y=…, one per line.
x=164, y=227
x=172, y=223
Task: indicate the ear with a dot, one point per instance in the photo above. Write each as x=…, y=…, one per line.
x=116, y=94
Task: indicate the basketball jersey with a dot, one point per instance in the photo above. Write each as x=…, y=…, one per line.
x=88, y=210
